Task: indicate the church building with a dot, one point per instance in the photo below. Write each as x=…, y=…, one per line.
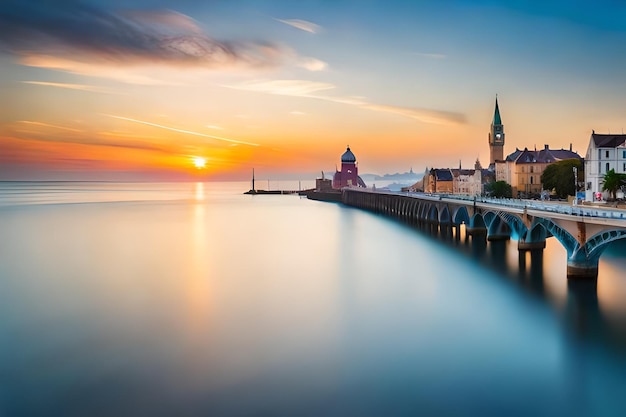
x=349, y=174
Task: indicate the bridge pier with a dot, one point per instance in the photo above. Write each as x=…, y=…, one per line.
x=579, y=270
x=523, y=246
x=498, y=237
x=476, y=231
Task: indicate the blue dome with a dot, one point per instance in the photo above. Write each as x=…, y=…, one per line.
x=348, y=156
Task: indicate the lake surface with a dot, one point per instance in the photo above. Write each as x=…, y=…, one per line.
x=191, y=299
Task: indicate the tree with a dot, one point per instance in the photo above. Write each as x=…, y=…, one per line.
x=499, y=189
x=559, y=177
x=612, y=182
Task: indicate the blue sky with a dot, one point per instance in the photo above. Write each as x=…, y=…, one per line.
x=286, y=85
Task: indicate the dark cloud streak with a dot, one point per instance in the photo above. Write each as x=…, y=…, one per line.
x=74, y=29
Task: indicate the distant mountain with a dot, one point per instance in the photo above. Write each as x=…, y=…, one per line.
x=405, y=176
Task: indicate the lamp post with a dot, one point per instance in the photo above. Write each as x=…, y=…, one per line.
x=575, y=183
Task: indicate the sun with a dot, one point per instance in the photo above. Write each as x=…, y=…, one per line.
x=199, y=162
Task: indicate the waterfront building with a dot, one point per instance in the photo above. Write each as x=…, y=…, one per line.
x=467, y=181
x=439, y=180
x=453, y=181
x=604, y=153
x=522, y=169
x=349, y=174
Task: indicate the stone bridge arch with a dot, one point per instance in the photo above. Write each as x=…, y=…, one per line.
x=595, y=246
x=432, y=214
x=461, y=216
x=444, y=216
x=498, y=229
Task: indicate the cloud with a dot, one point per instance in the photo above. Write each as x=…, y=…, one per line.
x=80, y=87
x=309, y=89
x=42, y=124
x=38, y=134
x=423, y=115
x=70, y=35
x=299, y=88
x=187, y=132
x=301, y=24
x=312, y=64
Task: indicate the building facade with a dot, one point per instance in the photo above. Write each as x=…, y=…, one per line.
x=522, y=169
x=349, y=174
x=604, y=153
x=467, y=181
x=439, y=180
x=453, y=181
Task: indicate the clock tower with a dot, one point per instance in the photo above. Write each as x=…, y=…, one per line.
x=496, y=137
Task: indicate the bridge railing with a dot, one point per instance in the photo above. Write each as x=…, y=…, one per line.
x=516, y=203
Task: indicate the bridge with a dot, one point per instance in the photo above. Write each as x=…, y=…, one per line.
x=584, y=231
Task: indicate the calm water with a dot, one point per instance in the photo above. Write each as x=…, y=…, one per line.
x=196, y=300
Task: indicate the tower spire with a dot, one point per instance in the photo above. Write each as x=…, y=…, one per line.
x=496, y=114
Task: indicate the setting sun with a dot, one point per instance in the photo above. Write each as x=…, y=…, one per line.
x=199, y=162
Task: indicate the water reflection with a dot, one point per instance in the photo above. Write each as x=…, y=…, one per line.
x=199, y=191
x=584, y=305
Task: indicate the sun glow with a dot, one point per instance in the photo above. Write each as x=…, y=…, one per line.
x=199, y=162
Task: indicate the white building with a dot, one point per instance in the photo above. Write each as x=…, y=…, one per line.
x=467, y=181
x=604, y=153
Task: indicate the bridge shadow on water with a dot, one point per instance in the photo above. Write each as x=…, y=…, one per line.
x=578, y=306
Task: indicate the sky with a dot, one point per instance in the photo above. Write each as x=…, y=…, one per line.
x=144, y=89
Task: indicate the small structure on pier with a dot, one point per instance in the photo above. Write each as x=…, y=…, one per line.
x=323, y=184
x=349, y=174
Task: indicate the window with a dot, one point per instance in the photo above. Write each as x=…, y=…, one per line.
x=531, y=177
x=531, y=171
x=624, y=154
x=606, y=154
x=607, y=167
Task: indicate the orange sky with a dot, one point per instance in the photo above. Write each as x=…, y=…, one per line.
x=284, y=89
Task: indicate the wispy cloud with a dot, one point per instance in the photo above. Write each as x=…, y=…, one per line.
x=75, y=34
x=423, y=115
x=301, y=24
x=39, y=133
x=300, y=88
x=310, y=89
x=184, y=131
x=42, y=124
x=80, y=87
x=312, y=64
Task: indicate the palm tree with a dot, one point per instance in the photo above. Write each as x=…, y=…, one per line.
x=613, y=182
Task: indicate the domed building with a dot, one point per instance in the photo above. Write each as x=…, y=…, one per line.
x=349, y=174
